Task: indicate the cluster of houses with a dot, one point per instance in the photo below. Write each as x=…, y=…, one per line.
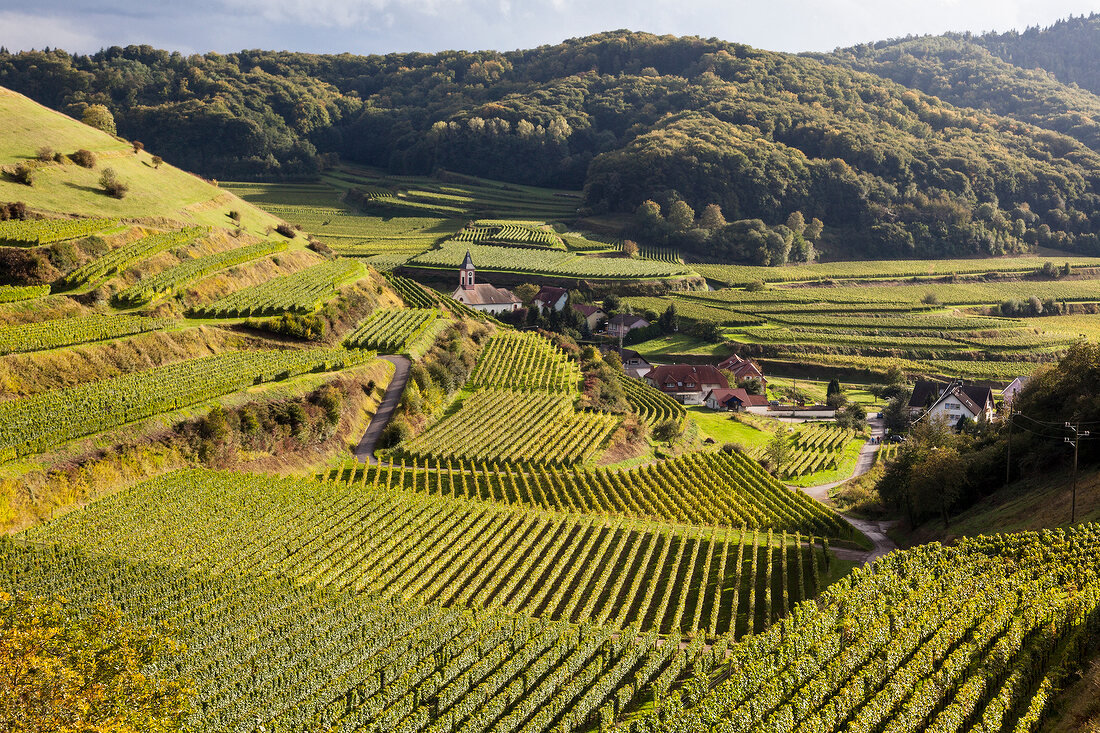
x=703, y=384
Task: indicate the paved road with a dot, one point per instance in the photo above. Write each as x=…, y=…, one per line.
x=364, y=452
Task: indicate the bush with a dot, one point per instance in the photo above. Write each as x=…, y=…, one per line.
x=24, y=174
x=15, y=210
x=156, y=161
x=46, y=154
x=286, y=230
x=83, y=158
x=930, y=298
x=112, y=185
x=235, y=215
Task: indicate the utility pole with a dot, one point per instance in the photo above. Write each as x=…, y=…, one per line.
x=1008, y=455
x=1076, y=440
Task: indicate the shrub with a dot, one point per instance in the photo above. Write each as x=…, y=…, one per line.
x=930, y=299
x=138, y=146
x=286, y=230
x=24, y=174
x=235, y=215
x=157, y=160
x=46, y=154
x=83, y=158
x=15, y=210
x=112, y=185
x=755, y=286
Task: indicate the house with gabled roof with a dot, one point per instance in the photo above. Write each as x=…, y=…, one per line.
x=550, y=297
x=593, y=315
x=735, y=400
x=1013, y=389
x=624, y=323
x=687, y=383
x=743, y=368
x=953, y=401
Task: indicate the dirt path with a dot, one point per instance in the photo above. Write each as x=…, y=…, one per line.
x=364, y=452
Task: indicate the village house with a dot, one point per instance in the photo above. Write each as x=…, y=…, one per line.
x=624, y=323
x=736, y=400
x=742, y=369
x=550, y=297
x=1013, y=389
x=482, y=296
x=634, y=364
x=593, y=315
x=687, y=383
x=951, y=401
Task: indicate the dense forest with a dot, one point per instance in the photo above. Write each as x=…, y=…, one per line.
x=923, y=147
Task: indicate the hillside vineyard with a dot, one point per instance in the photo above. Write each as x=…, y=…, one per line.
x=735, y=325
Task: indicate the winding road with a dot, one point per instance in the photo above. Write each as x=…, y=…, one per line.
x=875, y=530
x=364, y=452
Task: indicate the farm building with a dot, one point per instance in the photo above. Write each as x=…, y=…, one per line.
x=550, y=297
x=687, y=383
x=634, y=364
x=735, y=400
x=482, y=296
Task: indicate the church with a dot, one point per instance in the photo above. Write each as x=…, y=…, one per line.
x=482, y=296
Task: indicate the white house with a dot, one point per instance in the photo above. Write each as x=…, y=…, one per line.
x=961, y=401
x=551, y=297
x=1013, y=389
x=687, y=383
x=482, y=296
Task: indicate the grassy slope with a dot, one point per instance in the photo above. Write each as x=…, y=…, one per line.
x=166, y=192
x=1029, y=504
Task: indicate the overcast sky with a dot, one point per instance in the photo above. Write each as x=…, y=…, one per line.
x=380, y=26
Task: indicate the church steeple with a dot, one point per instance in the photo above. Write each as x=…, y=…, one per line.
x=466, y=273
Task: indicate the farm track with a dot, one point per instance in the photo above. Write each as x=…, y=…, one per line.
x=875, y=530
x=364, y=452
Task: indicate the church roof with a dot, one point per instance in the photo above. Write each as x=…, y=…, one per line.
x=486, y=294
x=468, y=263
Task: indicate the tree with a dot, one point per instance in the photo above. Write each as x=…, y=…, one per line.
x=112, y=184
x=813, y=230
x=853, y=416
x=669, y=322
x=648, y=218
x=796, y=223
x=896, y=414
x=779, y=450
x=138, y=146
x=681, y=217
x=712, y=219
x=833, y=388
x=99, y=117
x=937, y=479
x=63, y=671
x=156, y=161
x=667, y=430
x=630, y=248
x=526, y=292
x=611, y=303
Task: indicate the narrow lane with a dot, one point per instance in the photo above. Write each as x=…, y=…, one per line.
x=364, y=452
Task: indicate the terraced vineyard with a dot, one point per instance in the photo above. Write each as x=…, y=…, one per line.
x=972, y=637
x=390, y=331
x=69, y=331
x=32, y=424
x=300, y=292
x=652, y=405
x=510, y=232
x=13, y=294
x=546, y=262
x=509, y=425
x=724, y=489
x=168, y=281
x=35, y=232
x=525, y=361
x=130, y=254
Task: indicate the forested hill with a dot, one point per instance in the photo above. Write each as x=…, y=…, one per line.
x=1066, y=49
x=891, y=171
